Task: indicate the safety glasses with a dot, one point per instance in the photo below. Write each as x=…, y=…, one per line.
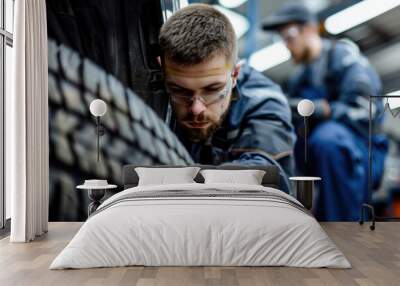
x=207, y=99
x=290, y=33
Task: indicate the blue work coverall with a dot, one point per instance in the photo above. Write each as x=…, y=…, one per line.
x=256, y=131
x=338, y=145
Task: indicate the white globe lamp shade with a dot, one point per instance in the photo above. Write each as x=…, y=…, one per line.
x=305, y=107
x=98, y=107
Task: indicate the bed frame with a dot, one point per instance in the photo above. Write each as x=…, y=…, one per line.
x=271, y=178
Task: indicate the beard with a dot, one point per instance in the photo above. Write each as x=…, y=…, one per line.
x=302, y=57
x=201, y=134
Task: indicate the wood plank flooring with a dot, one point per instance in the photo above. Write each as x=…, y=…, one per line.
x=374, y=255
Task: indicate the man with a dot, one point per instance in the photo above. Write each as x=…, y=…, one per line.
x=338, y=79
x=225, y=112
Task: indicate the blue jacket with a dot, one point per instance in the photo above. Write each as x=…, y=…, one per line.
x=343, y=77
x=256, y=131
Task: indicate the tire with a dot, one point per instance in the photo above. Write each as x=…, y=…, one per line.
x=134, y=134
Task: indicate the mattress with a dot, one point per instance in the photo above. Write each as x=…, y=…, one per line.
x=201, y=225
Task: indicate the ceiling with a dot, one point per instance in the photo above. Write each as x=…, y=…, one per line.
x=378, y=38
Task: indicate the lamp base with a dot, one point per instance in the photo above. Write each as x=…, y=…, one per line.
x=374, y=217
x=371, y=208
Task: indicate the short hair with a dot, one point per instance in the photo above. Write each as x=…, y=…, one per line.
x=196, y=33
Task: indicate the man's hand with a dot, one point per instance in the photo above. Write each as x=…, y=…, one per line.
x=325, y=108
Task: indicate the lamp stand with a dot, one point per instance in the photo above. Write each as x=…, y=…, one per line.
x=367, y=206
x=99, y=132
x=305, y=141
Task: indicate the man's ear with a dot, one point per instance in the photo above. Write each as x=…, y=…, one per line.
x=236, y=71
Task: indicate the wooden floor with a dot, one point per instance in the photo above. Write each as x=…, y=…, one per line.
x=374, y=255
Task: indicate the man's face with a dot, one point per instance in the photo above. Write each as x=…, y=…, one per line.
x=295, y=38
x=200, y=94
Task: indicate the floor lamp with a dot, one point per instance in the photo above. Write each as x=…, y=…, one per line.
x=368, y=205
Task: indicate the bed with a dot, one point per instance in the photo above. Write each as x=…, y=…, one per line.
x=201, y=224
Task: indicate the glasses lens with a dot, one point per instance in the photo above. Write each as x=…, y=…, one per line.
x=290, y=33
x=206, y=99
x=181, y=99
x=210, y=99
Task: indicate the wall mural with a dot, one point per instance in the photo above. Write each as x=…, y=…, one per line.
x=110, y=50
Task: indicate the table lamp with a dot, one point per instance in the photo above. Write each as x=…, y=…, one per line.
x=305, y=108
x=305, y=185
x=98, y=108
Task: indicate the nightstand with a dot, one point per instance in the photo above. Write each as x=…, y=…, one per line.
x=96, y=194
x=305, y=189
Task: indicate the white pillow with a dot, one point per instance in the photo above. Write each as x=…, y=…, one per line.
x=163, y=176
x=248, y=177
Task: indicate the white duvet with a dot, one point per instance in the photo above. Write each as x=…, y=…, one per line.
x=183, y=231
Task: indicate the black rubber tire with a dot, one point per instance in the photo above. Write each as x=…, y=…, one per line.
x=134, y=134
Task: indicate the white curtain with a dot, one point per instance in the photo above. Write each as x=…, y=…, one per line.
x=27, y=124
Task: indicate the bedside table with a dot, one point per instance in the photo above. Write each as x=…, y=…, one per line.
x=305, y=189
x=96, y=194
